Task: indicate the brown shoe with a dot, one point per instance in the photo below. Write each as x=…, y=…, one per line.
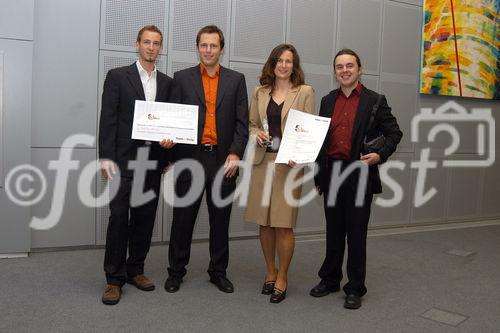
x=111, y=294
x=142, y=282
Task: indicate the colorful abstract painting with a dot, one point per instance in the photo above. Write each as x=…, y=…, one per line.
x=461, y=48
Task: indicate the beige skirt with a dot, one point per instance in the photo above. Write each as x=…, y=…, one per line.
x=267, y=205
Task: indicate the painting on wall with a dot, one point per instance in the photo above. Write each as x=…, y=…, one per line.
x=460, y=48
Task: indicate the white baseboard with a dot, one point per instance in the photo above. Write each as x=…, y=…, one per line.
x=13, y=255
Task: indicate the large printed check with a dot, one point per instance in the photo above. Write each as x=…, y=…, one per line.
x=155, y=121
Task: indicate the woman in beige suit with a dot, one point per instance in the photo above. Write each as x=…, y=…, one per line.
x=282, y=88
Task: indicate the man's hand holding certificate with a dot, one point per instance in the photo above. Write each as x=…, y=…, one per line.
x=303, y=137
x=155, y=121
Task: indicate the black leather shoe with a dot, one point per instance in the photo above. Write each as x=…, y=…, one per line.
x=352, y=302
x=222, y=283
x=322, y=289
x=267, y=287
x=173, y=284
x=277, y=296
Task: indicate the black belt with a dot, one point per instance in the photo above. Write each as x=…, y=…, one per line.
x=208, y=147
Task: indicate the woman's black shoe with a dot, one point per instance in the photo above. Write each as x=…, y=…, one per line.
x=278, y=295
x=267, y=288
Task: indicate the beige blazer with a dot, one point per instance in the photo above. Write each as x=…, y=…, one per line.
x=300, y=98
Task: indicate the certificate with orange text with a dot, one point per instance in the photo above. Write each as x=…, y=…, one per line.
x=155, y=121
x=302, y=138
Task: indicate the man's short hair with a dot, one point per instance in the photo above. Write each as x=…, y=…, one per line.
x=152, y=28
x=349, y=52
x=210, y=29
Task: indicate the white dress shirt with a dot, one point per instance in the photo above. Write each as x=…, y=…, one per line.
x=148, y=82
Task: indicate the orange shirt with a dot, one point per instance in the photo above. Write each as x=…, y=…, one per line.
x=210, y=83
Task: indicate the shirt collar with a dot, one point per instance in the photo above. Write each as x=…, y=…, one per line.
x=203, y=70
x=356, y=91
x=358, y=88
x=143, y=72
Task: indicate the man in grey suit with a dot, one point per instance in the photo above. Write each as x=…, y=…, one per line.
x=221, y=95
x=130, y=226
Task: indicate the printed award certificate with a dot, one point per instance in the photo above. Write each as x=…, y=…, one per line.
x=303, y=137
x=155, y=121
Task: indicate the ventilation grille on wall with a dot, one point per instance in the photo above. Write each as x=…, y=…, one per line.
x=190, y=15
x=123, y=19
x=177, y=66
x=258, y=27
x=305, y=23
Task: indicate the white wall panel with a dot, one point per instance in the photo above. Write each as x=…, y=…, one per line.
x=371, y=82
x=258, y=27
x=316, y=18
x=311, y=217
x=402, y=98
x=322, y=84
x=359, y=30
x=410, y=2
x=65, y=63
x=179, y=65
x=16, y=19
x=434, y=210
x=490, y=190
x=252, y=74
x=122, y=20
x=395, y=214
x=16, y=103
x=401, y=39
x=77, y=223
x=188, y=16
x=463, y=192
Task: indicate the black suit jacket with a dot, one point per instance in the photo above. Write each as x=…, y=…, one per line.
x=384, y=122
x=231, y=111
x=122, y=88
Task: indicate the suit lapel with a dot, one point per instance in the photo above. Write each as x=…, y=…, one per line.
x=160, y=85
x=198, y=88
x=135, y=80
x=221, y=87
x=198, y=84
x=289, y=99
x=328, y=112
x=263, y=99
x=361, y=113
x=330, y=103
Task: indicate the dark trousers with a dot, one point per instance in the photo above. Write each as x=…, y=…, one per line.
x=130, y=227
x=184, y=219
x=345, y=220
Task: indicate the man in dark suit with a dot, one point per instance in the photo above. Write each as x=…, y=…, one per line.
x=221, y=95
x=130, y=226
x=350, y=107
